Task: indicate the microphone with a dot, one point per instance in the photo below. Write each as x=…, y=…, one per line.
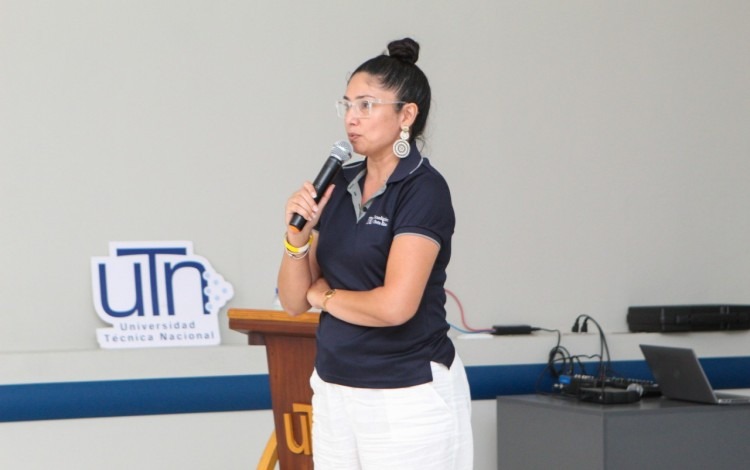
x=341, y=152
x=636, y=388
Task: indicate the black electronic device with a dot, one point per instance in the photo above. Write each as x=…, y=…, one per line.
x=698, y=317
x=572, y=384
x=649, y=388
x=601, y=388
x=606, y=391
x=513, y=329
x=609, y=395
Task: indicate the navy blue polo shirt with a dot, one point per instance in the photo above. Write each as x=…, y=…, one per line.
x=353, y=247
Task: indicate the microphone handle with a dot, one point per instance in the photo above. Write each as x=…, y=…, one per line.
x=321, y=183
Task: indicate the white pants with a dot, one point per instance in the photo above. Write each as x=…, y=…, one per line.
x=422, y=427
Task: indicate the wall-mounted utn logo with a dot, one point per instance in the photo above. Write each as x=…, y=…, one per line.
x=157, y=294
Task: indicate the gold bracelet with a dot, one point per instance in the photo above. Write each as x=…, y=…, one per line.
x=298, y=249
x=327, y=296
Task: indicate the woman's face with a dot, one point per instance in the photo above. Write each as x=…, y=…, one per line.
x=373, y=135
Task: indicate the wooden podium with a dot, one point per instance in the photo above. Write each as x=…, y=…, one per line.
x=290, y=348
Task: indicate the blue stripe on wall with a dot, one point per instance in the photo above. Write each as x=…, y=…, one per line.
x=68, y=400
x=30, y=402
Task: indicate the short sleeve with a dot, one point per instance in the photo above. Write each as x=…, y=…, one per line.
x=425, y=208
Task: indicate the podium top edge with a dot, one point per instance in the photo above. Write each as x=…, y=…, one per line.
x=271, y=315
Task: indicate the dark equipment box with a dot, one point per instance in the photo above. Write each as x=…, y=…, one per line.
x=674, y=318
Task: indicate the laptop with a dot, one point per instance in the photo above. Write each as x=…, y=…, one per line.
x=681, y=377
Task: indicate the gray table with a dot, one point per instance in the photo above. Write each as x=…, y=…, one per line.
x=539, y=431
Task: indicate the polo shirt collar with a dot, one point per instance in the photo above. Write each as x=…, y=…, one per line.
x=405, y=167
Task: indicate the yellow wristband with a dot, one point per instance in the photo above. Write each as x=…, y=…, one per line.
x=298, y=249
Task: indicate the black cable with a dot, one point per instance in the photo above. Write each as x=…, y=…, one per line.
x=603, y=346
x=555, y=351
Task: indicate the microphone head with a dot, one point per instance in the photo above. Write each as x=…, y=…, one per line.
x=342, y=150
x=635, y=387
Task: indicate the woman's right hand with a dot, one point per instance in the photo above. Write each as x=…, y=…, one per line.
x=302, y=202
x=296, y=277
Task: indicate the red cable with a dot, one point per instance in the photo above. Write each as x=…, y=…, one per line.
x=463, y=318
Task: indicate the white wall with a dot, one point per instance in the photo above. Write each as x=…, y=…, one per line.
x=597, y=153
x=187, y=441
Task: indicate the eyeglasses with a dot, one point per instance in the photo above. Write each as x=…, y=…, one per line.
x=362, y=107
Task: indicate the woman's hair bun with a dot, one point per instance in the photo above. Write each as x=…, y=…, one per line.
x=406, y=50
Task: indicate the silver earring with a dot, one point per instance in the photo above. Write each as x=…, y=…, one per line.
x=401, y=147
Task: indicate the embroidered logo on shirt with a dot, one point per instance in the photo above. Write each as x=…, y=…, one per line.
x=378, y=220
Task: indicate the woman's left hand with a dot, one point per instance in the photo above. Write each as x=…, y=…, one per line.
x=316, y=292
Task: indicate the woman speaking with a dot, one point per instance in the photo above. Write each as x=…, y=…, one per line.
x=389, y=390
